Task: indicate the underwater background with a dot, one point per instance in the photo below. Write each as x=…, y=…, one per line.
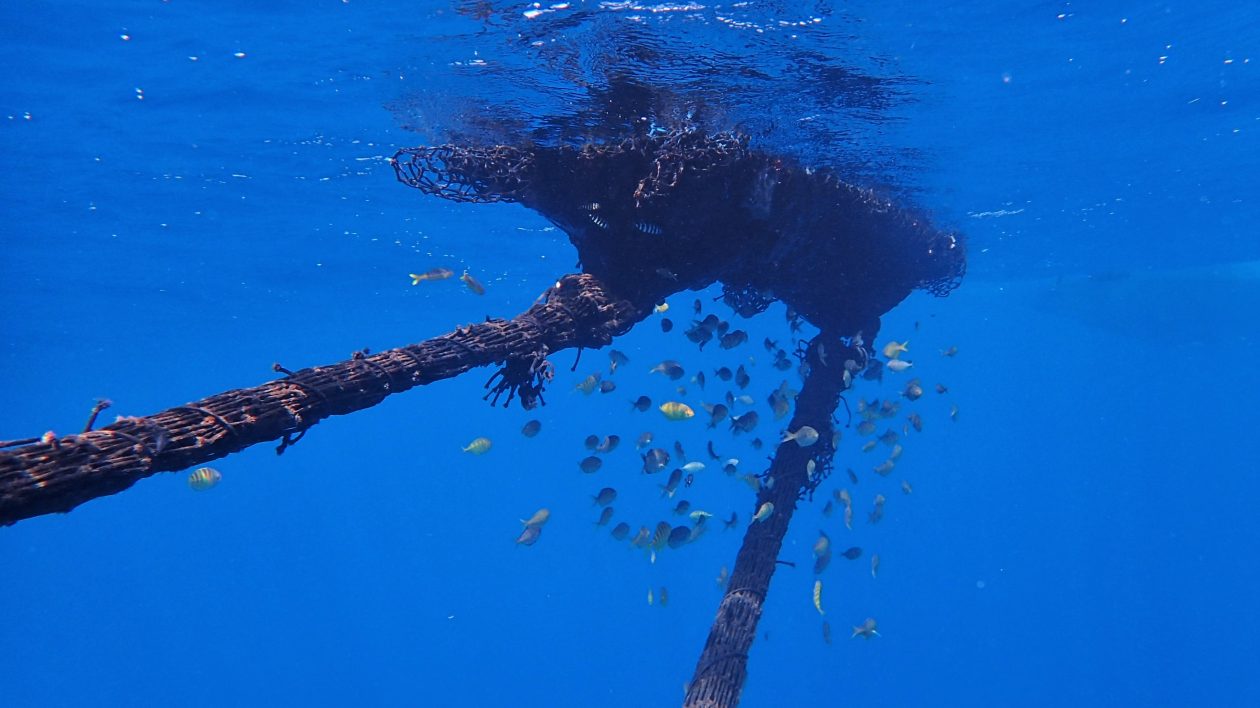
x=196, y=190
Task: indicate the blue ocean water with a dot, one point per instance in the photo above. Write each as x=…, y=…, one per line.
x=197, y=190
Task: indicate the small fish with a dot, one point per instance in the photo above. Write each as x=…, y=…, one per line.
x=538, y=519
x=641, y=403
x=781, y=361
x=531, y=428
x=894, y=349
x=827, y=509
x=941, y=388
x=866, y=427
x=607, y=386
x=818, y=597
x=804, y=436
x=744, y=400
x=479, y=446
x=724, y=373
x=744, y=423
x=669, y=368
x=693, y=467
x=472, y=284
x=826, y=632
x=848, y=517
x=671, y=485
x=852, y=475
x=608, y=444
x=605, y=516
x=874, y=371
x=884, y=467
x=756, y=443
x=615, y=359
x=763, y=512
x=699, y=514
x=660, y=536
x=822, y=552
x=717, y=413
x=731, y=522
x=733, y=339
x=696, y=306
x=712, y=455
x=606, y=496
x=590, y=465
x=913, y=390
x=667, y=274
x=655, y=460
x=951, y=352
x=890, y=437
x=953, y=412
x=770, y=344
x=621, y=531
x=592, y=442
x=674, y=410
x=730, y=466
x=663, y=307
x=723, y=575
x=896, y=452
x=741, y=377
x=682, y=507
x=697, y=333
x=664, y=596
x=898, y=365
x=852, y=553
x=679, y=536
x=698, y=379
x=905, y=487
x=877, y=512
x=644, y=440
x=433, y=274
x=678, y=449
x=204, y=478
x=868, y=445
x=874, y=565
x=867, y=630
x=667, y=325
x=529, y=536
x=642, y=538
x=588, y=385
x=650, y=600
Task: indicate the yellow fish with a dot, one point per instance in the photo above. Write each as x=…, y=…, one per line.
x=894, y=349
x=204, y=478
x=538, y=519
x=764, y=512
x=663, y=307
x=480, y=446
x=676, y=411
x=818, y=597
x=472, y=284
x=434, y=274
